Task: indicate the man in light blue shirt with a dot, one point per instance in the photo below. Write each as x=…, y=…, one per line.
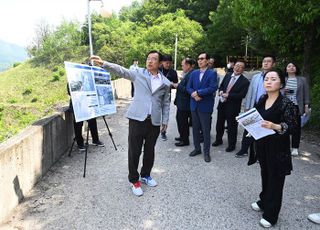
x=255, y=91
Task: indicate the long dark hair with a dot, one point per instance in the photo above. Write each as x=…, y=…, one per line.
x=293, y=63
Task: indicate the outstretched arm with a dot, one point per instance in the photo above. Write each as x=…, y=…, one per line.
x=114, y=68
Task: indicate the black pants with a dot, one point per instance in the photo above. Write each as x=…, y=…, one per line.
x=232, y=127
x=246, y=141
x=92, y=123
x=132, y=89
x=272, y=188
x=182, y=118
x=296, y=135
x=141, y=133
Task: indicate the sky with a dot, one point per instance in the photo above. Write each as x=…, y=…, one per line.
x=19, y=18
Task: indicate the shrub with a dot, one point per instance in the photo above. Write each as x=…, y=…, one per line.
x=16, y=64
x=1, y=110
x=27, y=92
x=55, y=77
x=55, y=69
x=12, y=100
x=61, y=72
x=34, y=99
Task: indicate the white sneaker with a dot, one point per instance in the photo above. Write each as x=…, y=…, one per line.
x=255, y=207
x=294, y=152
x=136, y=188
x=315, y=218
x=264, y=223
x=149, y=181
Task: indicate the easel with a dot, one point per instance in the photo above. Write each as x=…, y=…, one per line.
x=87, y=144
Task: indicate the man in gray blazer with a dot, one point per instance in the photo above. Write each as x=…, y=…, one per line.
x=148, y=112
x=255, y=91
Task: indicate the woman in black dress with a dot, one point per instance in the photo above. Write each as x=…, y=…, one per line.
x=273, y=151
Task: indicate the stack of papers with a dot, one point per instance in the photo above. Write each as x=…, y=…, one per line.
x=251, y=121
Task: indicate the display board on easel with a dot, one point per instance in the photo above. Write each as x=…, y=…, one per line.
x=90, y=90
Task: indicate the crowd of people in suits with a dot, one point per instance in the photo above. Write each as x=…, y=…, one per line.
x=231, y=91
x=280, y=97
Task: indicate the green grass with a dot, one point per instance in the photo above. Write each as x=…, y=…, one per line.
x=27, y=94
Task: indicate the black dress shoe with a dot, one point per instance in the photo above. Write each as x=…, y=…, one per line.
x=177, y=138
x=217, y=143
x=230, y=149
x=241, y=154
x=195, y=153
x=182, y=143
x=207, y=158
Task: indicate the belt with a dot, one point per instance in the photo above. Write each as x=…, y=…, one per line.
x=148, y=117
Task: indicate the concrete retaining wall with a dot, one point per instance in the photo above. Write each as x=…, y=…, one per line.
x=25, y=158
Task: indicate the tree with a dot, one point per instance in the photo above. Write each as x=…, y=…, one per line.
x=121, y=41
x=162, y=35
x=197, y=10
x=224, y=35
x=62, y=44
x=144, y=13
x=42, y=31
x=147, y=11
x=288, y=25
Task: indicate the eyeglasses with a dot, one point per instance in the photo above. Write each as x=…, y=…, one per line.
x=152, y=59
x=201, y=58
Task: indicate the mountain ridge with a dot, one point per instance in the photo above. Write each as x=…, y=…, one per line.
x=11, y=53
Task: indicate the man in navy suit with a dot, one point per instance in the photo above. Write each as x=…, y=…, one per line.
x=201, y=87
x=232, y=90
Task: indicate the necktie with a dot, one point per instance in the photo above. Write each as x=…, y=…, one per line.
x=231, y=83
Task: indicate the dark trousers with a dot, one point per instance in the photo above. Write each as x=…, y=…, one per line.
x=272, y=188
x=92, y=123
x=296, y=135
x=132, y=89
x=246, y=142
x=232, y=127
x=182, y=118
x=201, y=121
x=141, y=133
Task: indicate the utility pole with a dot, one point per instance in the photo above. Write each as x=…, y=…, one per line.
x=175, y=53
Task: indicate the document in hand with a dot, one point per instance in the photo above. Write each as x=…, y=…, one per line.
x=251, y=121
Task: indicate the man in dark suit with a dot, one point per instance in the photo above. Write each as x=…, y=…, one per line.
x=232, y=90
x=201, y=86
x=171, y=75
x=182, y=102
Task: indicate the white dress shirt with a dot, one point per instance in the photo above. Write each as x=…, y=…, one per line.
x=202, y=73
x=156, y=82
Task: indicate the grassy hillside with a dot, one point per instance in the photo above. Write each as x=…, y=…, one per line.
x=27, y=94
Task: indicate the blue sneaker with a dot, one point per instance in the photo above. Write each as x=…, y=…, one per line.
x=149, y=181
